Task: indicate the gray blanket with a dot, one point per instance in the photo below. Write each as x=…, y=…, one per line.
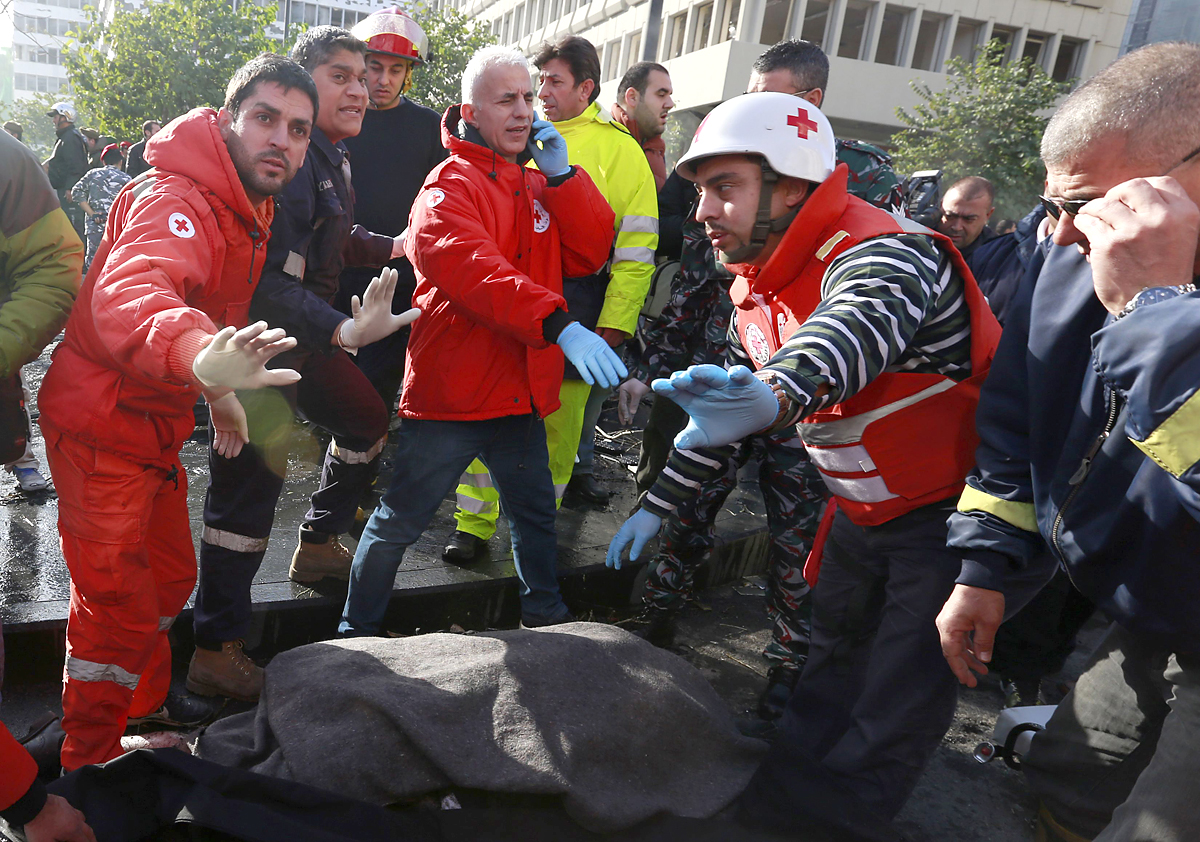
x=621, y=730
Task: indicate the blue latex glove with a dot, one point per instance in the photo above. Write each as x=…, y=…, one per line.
x=551, y=156
x=725, y=406
x=639, y=529
x=596, y=362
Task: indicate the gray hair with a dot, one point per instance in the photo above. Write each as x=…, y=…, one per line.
x=484, y=60
x=1151, y=97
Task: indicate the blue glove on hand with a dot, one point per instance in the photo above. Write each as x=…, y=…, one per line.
x=725, y=406
x=551, y=156
x=639, y=529
x=597, y=363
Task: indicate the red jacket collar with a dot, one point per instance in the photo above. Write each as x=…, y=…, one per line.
x=472, y=149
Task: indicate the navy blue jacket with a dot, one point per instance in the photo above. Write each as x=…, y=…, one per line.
x=313, y=237
x=1119, y=509
x=999, y=264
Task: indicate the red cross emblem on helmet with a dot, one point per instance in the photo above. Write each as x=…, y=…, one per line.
x=802, y=123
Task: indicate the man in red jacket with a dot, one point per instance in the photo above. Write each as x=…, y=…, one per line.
x=154, y=327
x=490, y=241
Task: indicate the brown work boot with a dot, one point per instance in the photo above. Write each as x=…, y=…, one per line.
x=229, y=672
x=314, y=560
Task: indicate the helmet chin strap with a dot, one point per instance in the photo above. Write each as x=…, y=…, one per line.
x=764, y=226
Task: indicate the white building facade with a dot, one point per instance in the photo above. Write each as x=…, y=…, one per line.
x=876, y=47
x=35, y=36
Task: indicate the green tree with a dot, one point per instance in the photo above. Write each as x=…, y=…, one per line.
x=453, y=39
x=163, y=59
x=37, y=128
x=988, y=121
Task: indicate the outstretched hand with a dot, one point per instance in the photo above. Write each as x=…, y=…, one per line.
x=725, y=406
x=237, y=359
x=372, y=316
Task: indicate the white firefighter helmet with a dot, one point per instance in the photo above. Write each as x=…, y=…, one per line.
x=393, y=32
x=66, y=109
x=790, y=133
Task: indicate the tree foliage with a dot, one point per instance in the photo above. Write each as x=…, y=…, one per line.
x=453, y=39
x=988, y=121
x=163, y=59
x=36, y=128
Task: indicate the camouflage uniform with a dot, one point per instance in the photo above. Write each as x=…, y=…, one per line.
x=871, y=175
x=791, y=488
x=99, y=188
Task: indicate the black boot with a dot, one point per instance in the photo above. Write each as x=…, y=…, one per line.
x=462, y=546
x=780, y=683
x=585, y=487
x=44, y=743
x=180, y=712
x=659, y=629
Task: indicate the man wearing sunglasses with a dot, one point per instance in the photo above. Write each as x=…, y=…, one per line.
x=1089, y=428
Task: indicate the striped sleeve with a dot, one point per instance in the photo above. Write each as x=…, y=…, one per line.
x=889, y=304
x=685, y=472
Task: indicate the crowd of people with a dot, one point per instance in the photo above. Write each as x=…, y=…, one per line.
x=953, y=426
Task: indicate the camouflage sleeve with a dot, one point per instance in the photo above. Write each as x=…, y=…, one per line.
x=872, y=178
x=672, y=340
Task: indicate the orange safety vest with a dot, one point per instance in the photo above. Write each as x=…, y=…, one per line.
x=905, y=440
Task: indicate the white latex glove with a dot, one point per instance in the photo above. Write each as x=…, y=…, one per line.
x=373, y=319
x=398, y=244
x=237, y=359
x=629, y=398
x=230, y=429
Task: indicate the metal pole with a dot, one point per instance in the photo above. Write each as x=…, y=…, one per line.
x=287, y=21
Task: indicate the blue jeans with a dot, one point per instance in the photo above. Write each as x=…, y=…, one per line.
x=430, y=457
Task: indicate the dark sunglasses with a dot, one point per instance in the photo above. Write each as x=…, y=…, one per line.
x=1071, y=207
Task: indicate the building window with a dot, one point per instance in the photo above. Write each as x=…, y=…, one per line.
x=856, y=27
x=541, y=13
x=1035, y=46
x=675, y=35
x=612, y=60
x=816, y=21
x=324, y=15
x=730, y=9
x=633, y=50
x=555, y=10
x=519, y=22
x=892, y=32
x=775, y=17
x=966, y=40
x=1007, y=36
x=508, y=28
x=929, y=39
x=704, y=16
x=1066, y=65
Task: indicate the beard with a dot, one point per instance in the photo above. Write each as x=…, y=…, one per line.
x=246, y=165
x=647, y=121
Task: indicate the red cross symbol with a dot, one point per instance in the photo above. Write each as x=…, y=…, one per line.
x=181, y=225
x=802, y=123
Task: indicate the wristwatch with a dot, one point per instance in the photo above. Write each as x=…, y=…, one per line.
x=785, y=403
x=1153, y=295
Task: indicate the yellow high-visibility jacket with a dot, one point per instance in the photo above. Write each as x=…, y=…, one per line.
x=617, y=165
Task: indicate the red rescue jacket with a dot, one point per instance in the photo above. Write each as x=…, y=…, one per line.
x=484, y=239
x=906, y=439
x=181, y=256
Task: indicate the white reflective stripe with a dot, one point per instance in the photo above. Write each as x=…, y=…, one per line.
x=680, y=478
x=865, y=490
x=356, y=457
x=850, y=430
x=476, y=506
x=165, y=623
x=559, y=491
x=294, y=265
x=233, y=541
x=637, y=254
x=633, y=224
x=483, y=480
x=842, y=460
x=82, y=670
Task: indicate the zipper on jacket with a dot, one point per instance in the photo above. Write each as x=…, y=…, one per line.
x=1085, y=467
x=254, y=235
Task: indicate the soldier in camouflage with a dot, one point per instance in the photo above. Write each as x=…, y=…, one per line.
x=95, y=194
x=692, y=330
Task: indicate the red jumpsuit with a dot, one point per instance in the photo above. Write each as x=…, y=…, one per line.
x=180, y=258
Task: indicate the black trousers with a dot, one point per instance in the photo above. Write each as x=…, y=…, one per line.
x=239, y=508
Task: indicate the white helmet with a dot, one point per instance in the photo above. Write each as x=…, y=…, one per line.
x=66, y=109
x=789, y=132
